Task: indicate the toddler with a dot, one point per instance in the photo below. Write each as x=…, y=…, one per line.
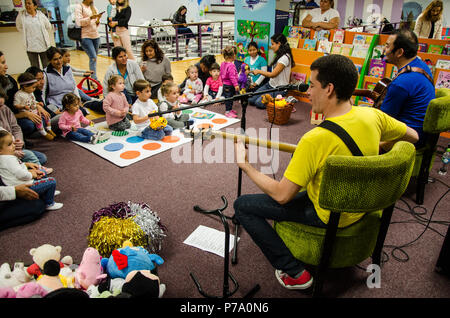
x=229, y=76
x=115, y=105
x=143, y=106
x=14, y=172
x=24, y=100
x=194, y=86
x=111, y=13
x=214, y=86
x=166, y=78
x=171, y=93
x=71, y=119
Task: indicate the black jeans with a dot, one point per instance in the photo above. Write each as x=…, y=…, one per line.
x=253, y=210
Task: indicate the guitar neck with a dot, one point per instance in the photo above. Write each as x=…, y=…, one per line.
x=290, y=148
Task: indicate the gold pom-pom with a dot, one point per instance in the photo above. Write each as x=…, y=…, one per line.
x=109, y=233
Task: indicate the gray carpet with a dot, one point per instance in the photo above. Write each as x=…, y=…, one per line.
x=88, y=183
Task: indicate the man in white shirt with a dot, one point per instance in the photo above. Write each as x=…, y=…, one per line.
x=323, y=18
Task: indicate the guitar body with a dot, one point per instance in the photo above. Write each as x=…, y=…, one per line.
x=377, y=94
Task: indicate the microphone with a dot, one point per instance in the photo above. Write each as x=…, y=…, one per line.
x=302, y=87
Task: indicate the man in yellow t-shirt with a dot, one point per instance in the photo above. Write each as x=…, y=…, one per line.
x=332, y=82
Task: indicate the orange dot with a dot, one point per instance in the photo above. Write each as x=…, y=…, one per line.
x=151, y=146
x=130, y=154
x=170, y=139
x=204, y=126
x=219, y=121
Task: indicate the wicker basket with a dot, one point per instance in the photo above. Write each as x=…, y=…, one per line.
x=279, y=115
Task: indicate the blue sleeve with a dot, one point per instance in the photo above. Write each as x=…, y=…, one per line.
x=394, y=100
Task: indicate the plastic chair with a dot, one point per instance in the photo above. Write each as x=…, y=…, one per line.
x=352, y=184
x=437, y=120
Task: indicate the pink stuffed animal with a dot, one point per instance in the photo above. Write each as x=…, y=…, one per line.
x=90, y=271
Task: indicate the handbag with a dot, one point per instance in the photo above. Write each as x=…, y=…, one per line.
x=74, y=31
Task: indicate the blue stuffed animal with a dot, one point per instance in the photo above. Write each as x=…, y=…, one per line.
x=129, y=258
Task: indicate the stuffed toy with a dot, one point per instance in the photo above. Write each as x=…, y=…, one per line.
x=13, y=278
x=7, y=292
x=129, y=258
x=267, y=100
x=31, y=290
x=44, y=253
x=244, y=80
x=280, y=101
x=51, y=279
x=106, y=288
x=143, y=283
x=90, y=271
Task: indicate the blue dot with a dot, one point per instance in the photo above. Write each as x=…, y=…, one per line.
x=134, y=139
x=113, y=147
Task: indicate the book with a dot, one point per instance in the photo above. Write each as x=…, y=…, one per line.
x=360, y=50
x=369, y=39
x=293, y=42
x=377, y=52
x=336, y=48
x=430, y=65
x=444, y=64
x=377, y=68
x=358, y=68
x=310, y=44
x=443, y=80
x=346, y=49
x=293, y=32
x=359, y=39
x=370, y=86
x=324, y=46
x=394, y=71
x=297, y=78
x=339, y=36
x=322, y=35
x=423, y=47
x=446, y=49
x=435, y=49
x=304, y=33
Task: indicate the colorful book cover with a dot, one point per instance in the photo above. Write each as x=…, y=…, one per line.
x=293, y=32
x=377, y=52
x=322, y=35
x=324, y=46
x=370, y=86
x=444, y=64
x=200, y=115
x=394, y=71
x=297, y=77
x=435, y=49
x=423, y=47
x=304, y=33
x=310, y=44
x=346, y=49
x=369, y=39
x=359, y=39
x=446, y=50
x=358, y=68
x=339, y=36
x=430, y=65
x=336, y=48
x=293, y=42
x=443, y=80
x=377, y=68
x=360, y=50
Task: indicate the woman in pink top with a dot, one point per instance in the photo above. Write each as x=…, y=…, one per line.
x=115, y=105
x=229, y=76
x=88, y=18
x=71, y=119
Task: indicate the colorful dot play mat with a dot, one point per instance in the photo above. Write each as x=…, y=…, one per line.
x=127, y=147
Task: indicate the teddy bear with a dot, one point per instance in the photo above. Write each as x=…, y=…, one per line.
x=51, y=279
x=44, y=253
x=90, y=271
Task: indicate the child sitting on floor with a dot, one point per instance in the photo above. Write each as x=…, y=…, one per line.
x=194, y=86
x=14, y=172
x=166, y=78
x=214, y=86
x=143, y=106
x=171, y=93
x=24, y=100
x=71, y=120
x=115, y=105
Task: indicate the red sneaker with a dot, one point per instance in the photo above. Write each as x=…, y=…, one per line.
x=303, y=282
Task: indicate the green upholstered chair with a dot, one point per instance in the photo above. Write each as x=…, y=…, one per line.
x=369, y=184
x=437, y=120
